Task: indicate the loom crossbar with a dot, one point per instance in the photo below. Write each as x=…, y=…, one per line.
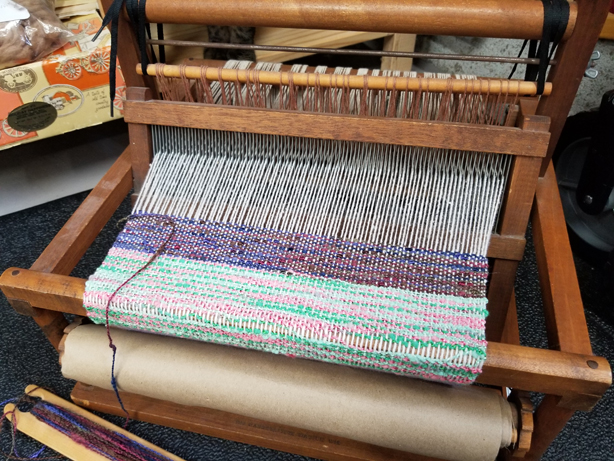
x=479, y=18
x=443, y=135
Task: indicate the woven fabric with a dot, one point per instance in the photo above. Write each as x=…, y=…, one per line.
x=405, y=311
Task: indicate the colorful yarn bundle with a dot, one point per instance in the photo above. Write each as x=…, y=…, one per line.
x=405, y=311
x=81, y=430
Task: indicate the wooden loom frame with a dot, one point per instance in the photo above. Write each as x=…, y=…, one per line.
x=568, y=374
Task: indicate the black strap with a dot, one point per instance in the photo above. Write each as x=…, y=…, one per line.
x=112, y=17
x=136, y=13
x=161, y=47
x=556, y=17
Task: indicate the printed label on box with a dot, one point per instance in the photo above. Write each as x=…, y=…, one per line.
x=73, y=82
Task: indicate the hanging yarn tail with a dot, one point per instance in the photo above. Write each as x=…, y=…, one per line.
x=164, y=221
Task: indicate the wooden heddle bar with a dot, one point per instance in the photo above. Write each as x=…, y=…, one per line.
x=434, y=85
x=522, y=19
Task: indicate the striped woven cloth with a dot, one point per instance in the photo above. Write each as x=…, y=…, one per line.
x=401, y=310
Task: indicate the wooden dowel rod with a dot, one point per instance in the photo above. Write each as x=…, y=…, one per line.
x=434, y=85
x=521, y=19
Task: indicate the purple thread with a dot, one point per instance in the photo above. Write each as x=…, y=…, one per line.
x=419, y=270
x=165, y=221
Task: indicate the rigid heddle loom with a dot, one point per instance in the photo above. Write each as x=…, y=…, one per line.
x=345, y=230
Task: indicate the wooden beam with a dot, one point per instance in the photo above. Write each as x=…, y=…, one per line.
x=141, y=151
x=71, y=242
x=506, y=247
x=515, y=212
x=51, y=292
x=500, y=289
x=444, y=135
x=516, y=207
x=474, y=18
x=548, y=372
x=565, y=320
x=511, y=333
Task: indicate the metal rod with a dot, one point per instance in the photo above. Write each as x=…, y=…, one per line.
x=394, y=54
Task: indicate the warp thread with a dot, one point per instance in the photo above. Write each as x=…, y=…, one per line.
x=473, y=105
x=165, y=221
x=96, y=438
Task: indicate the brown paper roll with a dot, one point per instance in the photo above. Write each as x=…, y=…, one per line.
x=456, y=423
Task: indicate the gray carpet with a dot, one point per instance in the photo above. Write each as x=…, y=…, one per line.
x=27, y=358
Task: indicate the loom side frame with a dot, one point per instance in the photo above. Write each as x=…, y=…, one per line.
x=572, y=378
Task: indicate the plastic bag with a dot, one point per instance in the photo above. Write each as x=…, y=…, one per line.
x=29, y=30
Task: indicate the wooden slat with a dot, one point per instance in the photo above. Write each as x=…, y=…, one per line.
x=506, y=247
x=69, y=245
x=140, y=142
x=235, y=427
x=500, y=289
x=516, y=207
x=443, y=135
x=565, y=320
x=572, y=57
x=511, y=333
x=515, y=212
x=474, y=18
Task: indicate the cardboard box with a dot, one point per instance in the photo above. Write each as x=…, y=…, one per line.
x=67, y=91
